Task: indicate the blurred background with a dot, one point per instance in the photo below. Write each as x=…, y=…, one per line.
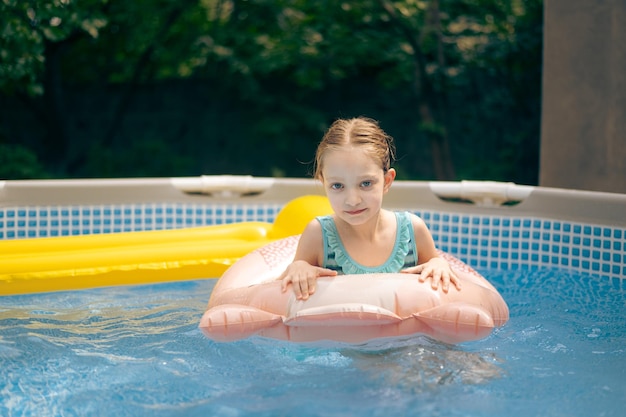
x=100, y=88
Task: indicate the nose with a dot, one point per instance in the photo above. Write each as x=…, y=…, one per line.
x=353, y=197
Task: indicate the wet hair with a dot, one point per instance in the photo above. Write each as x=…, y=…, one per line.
x=359, y=131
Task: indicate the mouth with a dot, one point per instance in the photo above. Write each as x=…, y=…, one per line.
x=355, y=212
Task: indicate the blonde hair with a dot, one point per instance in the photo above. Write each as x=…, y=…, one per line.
x=361, y=131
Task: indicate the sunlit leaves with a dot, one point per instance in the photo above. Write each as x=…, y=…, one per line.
x=29, y=25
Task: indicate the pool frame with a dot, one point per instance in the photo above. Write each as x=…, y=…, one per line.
x=489, y=225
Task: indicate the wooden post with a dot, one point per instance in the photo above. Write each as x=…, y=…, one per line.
x=583, y=129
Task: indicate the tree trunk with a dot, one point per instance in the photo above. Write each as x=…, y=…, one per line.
x=56, y=146
x=425, y=95
x=130, y=88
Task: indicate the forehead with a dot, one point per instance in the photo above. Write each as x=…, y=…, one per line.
x=350, y=160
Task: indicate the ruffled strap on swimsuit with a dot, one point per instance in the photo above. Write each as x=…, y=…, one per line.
x=337, y=258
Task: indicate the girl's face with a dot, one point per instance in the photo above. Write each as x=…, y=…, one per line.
x=355, y=183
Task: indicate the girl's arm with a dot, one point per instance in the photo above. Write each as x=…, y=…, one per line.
x=303, y=272
x=429, y=263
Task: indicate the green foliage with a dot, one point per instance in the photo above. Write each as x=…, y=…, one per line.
x=144, y=158
x=18, y=162
x=30, y=25
x=157, y=87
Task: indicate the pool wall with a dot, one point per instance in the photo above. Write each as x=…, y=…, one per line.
x=486, y=224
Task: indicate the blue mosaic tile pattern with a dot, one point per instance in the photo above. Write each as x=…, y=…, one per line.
x=30, y=222
x=484, y=242
x=510, y=243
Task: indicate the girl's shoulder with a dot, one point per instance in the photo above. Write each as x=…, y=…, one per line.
x=408, y=216
x=310, y=243
x=414, y=218
x=314, y=227
x=418, y=224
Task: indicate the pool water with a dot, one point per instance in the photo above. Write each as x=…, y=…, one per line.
x=135, y=351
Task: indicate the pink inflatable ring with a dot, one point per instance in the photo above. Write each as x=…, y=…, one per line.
x=247, y=301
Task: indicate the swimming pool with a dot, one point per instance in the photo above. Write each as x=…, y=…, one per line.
x=136, y=350
x=558, y=257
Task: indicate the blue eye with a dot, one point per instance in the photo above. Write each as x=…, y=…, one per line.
x=336, y=186
x=366, y=184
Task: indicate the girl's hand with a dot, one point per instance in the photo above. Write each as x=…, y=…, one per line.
x=437, y=269
x=303, y=277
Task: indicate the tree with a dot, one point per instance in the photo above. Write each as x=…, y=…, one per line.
x=449, y=77
x=37, y=34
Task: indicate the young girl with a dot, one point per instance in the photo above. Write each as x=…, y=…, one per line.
x=353, y=162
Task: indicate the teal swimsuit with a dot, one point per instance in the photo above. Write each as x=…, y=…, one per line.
x=336, y=257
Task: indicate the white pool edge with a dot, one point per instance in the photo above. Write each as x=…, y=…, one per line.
x=486, y=224
x=488, y=196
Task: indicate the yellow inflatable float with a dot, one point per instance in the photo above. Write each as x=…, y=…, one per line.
x=78, y=262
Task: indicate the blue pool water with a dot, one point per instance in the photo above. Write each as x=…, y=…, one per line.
x=135, y=351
